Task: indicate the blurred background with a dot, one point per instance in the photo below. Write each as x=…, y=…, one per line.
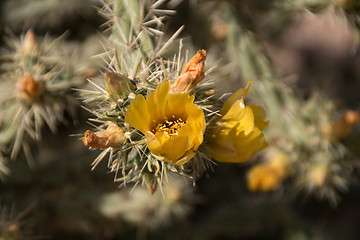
x=303, y=57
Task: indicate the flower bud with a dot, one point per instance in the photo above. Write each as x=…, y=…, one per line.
x=117, y=85
x=219, y=31
x=269, y=175
x=29, y=45
x=318, y=174
x=263, y=177
x=340, y=128
x=192, y=74
x=30, y=89
x=113, y=136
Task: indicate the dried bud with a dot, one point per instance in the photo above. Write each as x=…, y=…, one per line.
x=117, y=85
x=192, y=74
x=30, y=89
x=113, y=136
x=341, y=127
x=29, y=45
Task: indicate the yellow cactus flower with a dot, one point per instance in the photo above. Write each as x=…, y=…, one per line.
x=264, y=177
x=238, y=136
x=269, y=175
x=172, y=124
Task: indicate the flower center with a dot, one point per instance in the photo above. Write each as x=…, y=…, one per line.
x=171, y=127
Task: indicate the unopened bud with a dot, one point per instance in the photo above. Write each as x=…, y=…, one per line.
x=29, y=46
x=113, y=136
x=318, y=175
x=192, y=74
x=340, y=128
x=117, y=85
x=219, y=31
x=30, y=89
x=173, y=195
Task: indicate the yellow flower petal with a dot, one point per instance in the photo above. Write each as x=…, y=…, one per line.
x=177, y=105
x=238, y=148
x=239, y=117
x=260, y=115
x=157, y=102
x=138, y=116
x=241, y=93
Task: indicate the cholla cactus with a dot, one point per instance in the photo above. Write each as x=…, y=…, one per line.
x=36, y=87
x=44, y=14
x=157, y=116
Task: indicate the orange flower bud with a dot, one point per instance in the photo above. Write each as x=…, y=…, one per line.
x=113, y=136
x=342, y=126
x=192, y=74
x=30, y=89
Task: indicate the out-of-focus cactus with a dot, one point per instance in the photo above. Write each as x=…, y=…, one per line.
x=14, y=226
x=36, y=83
x=45, y=14
x=316, y=163
x=134, y=206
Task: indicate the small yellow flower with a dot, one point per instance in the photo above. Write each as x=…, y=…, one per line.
x=172, y=124
x=237, y=136
x=264, y=177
